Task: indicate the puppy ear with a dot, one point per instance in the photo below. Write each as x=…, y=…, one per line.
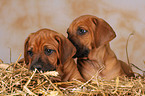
x=103, y=32
x=26, y=50
x=66, y=48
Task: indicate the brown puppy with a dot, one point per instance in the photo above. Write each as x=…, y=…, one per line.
x=48, y=50
x=91, y=36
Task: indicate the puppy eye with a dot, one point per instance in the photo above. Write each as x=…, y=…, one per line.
x=81, y=31
x=30, y=53
x=48, y=51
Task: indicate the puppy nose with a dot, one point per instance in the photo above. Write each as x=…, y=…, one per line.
x=38, y=67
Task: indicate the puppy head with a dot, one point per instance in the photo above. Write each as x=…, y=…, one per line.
x=87, y=32
x=46, y=50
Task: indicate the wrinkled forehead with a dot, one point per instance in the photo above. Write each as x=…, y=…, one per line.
x=42, y=38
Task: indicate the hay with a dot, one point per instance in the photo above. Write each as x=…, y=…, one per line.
x=16, y=79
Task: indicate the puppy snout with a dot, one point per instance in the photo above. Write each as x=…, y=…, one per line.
x=37, y=66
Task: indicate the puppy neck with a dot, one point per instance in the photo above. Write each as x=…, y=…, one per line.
x=102, y=54
x=98, y=52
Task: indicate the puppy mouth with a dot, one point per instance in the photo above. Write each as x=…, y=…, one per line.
x=81, y=52
x=41, y=66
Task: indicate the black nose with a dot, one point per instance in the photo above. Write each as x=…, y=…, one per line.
x=38, y=67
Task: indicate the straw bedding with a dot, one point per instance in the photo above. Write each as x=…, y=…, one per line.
x=16, y=79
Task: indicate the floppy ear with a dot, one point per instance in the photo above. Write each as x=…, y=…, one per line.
x=26, y=50
x=66, y=48
x=103, y=32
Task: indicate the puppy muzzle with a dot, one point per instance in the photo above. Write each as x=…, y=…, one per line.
x=42, y=66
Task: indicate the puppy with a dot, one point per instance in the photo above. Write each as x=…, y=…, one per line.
x=91, y=36
x=48, y=50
